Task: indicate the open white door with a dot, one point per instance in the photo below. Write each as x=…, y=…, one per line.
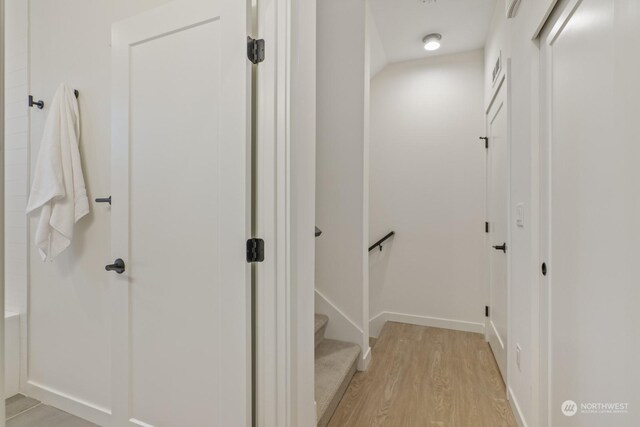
x=498, y=211
x=180, y=217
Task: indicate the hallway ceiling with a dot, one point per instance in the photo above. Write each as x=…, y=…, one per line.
x=464, y=25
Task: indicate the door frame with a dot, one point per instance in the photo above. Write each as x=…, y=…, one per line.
x=2, y=391
x=502, y=82
x=285, y=213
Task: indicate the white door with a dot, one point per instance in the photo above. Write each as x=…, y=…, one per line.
x=590, y=211
x=498, y=187
x=180, y=187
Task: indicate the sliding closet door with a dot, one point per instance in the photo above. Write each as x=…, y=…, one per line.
x=180, y=187
x=591, y=212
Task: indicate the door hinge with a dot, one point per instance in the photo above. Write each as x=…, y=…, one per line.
x=486, y=226
x=255, y=50
x=255, y=250
x=486, y=141
x=486, y=311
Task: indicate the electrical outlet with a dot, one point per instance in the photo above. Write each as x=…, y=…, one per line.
x=518, y=352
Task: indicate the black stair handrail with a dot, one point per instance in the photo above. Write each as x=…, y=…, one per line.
x=381, y=241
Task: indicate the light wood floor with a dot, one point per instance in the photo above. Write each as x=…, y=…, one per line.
x=426, y=377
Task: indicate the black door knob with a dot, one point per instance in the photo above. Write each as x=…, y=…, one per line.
x=117, y=266
x=502, y=247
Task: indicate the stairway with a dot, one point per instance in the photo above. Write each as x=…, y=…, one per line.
x=335, y=366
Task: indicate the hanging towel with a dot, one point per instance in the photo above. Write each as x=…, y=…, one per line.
x=58, y=189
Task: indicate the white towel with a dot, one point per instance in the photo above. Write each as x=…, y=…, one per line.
x=58, y=188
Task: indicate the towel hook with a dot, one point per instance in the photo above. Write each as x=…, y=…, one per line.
x=40, y=104
x=32, y=103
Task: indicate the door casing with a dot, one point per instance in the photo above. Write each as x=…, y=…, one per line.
x=2, y=392
x=285, y=215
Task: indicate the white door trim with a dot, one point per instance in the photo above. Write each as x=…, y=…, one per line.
x=285, y=217
x=2, y=392
x=271, y=222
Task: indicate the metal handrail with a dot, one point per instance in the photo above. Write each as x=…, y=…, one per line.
x=381, y=241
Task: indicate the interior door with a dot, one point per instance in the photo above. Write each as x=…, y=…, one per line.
x=590, y=211
x=498, y=187
x=180, y=194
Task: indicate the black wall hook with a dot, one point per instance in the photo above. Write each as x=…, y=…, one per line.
x=32, y=103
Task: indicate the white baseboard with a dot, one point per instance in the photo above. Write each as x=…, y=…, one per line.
x=342, y=328
x=377, y=322
x=11, y=353
x=365, y=360
x=73, y=405
x=515, y=407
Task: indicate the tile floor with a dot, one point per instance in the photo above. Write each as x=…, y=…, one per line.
x=24, y=411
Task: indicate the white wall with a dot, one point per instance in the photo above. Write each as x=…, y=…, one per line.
x=514, y=37
x=16, y=154
x=69, y=352
x=16, y=173
x=378, y=56
x=428, y=185
x=342, y=162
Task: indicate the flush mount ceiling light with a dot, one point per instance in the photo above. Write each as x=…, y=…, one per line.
x=432, y=41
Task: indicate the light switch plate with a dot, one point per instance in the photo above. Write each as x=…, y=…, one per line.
x=520, y=214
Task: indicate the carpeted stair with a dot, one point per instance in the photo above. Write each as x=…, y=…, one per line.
x=336, y=363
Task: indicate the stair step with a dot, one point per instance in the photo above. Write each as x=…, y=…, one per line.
x=321, y=326
x=335, y=366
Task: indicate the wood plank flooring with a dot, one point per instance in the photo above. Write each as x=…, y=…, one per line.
x=426, y=377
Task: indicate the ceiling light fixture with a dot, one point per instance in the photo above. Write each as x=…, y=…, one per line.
x=432, y=41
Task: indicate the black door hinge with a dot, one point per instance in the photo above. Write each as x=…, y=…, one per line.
x=486, y=311
x=255, y=250
x=486, y=226
x=255, y=50
x=486, y=141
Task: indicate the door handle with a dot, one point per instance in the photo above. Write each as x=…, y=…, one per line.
x=117, y=266
x=502, y=247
